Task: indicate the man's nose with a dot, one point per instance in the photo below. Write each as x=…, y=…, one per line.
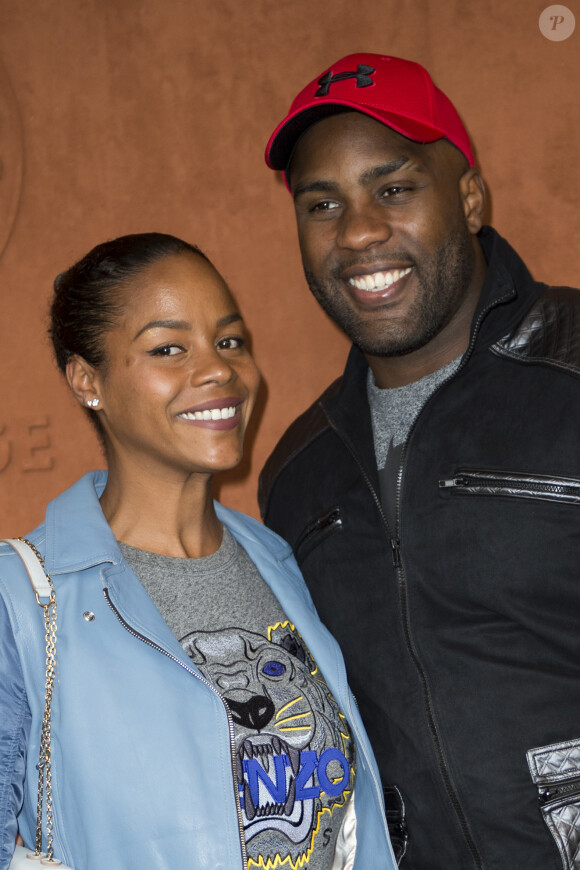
x=363, y=226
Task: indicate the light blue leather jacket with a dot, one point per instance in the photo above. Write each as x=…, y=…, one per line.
x=142, y=759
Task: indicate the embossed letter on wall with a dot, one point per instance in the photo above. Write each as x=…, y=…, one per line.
x=25, y=444
x=11, y=158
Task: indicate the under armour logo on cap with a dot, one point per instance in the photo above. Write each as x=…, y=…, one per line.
x=362, y=76
x=396, y=92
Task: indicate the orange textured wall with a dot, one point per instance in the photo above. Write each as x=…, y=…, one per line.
x=139, y=115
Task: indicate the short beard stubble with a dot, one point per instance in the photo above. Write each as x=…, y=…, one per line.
x=443, y=283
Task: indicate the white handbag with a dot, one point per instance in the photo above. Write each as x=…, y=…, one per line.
x=23, y=859
x=44, y=592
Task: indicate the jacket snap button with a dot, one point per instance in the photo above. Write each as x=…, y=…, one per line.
x=88, y=616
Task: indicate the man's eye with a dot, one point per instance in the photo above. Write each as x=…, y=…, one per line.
x=394, y=190
x=231, y=342
x=167, y=350
x=324, y=205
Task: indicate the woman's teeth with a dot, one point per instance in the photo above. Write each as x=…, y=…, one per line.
x=209, y=414
x=378, y=280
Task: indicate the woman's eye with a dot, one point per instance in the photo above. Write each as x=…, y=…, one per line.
x=232, y=342
x=167, y=350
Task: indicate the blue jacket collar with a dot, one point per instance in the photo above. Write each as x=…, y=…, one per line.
x=78, y=535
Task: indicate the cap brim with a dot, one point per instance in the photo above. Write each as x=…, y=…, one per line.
x=284, y=138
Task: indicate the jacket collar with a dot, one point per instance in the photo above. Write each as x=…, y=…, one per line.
x=348, y=412
x=507, y=294
x=252, y=535
x=78, y=535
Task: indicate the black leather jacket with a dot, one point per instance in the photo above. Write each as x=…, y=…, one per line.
x=461, y=626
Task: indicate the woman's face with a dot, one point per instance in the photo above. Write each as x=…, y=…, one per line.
x=178, y=385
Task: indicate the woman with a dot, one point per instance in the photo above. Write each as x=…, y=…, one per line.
x=200, y=715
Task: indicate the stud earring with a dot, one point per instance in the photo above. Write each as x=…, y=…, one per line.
x=93, y=403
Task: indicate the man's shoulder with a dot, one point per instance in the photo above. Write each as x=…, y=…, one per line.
x=298, y=437
x=549, y=333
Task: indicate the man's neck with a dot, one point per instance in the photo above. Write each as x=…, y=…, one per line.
x=399, y=371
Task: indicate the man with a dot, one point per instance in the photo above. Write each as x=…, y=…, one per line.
x=432, y=494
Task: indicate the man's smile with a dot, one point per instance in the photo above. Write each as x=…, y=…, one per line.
x=377, y=281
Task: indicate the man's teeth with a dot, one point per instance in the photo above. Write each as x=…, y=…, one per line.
x=209, y=414
x=378, y=280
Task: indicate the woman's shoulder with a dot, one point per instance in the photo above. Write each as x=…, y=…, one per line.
x=88, y=488
x=9, y=558
x=241, y=524
x=14, y=577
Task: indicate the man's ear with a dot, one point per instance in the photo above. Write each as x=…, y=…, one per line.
x=82, y=379
x=472, y=192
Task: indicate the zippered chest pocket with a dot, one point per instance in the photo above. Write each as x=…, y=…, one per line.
x=555, y=769
x=471, y=481
x=317, y=531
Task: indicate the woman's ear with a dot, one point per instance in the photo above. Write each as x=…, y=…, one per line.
x=472, y=192
x=82, y=380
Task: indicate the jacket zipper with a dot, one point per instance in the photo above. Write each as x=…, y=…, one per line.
x=400, y=572
x=541, y=486
x=231, y=728
x=400, y=569
x=554, y=793
x=395, y=543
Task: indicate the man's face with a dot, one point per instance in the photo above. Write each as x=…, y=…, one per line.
x=386, y=246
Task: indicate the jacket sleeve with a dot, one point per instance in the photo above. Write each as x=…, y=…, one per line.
x=14, y=731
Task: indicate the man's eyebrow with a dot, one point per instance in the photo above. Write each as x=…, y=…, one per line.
x=185, y=324
x=314, y=187
x=388, y=168
x=366, y=178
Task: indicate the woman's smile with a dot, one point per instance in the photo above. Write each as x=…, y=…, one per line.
x=215, y=414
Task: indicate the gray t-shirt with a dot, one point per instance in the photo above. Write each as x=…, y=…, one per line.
x=393, y=412
x=296, y=759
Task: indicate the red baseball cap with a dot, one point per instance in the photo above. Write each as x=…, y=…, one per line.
x=397, y=92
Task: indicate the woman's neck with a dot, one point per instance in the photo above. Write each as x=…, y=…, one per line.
x=173, y=517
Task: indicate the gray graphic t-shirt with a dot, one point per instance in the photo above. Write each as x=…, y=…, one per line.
x=294, y=750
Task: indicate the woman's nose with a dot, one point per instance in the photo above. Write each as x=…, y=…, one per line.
x=210, y=366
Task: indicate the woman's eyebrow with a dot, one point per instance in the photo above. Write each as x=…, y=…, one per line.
x=229, y=318
x=164, y=324
x=184, y=324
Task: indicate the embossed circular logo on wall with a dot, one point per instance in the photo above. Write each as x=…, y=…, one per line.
x=557, y=23
x=11, y=158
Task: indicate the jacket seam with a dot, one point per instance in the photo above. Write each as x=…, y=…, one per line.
x=295, y=453
x=540, y=361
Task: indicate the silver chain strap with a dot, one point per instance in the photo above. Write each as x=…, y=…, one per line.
x=44, y=762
